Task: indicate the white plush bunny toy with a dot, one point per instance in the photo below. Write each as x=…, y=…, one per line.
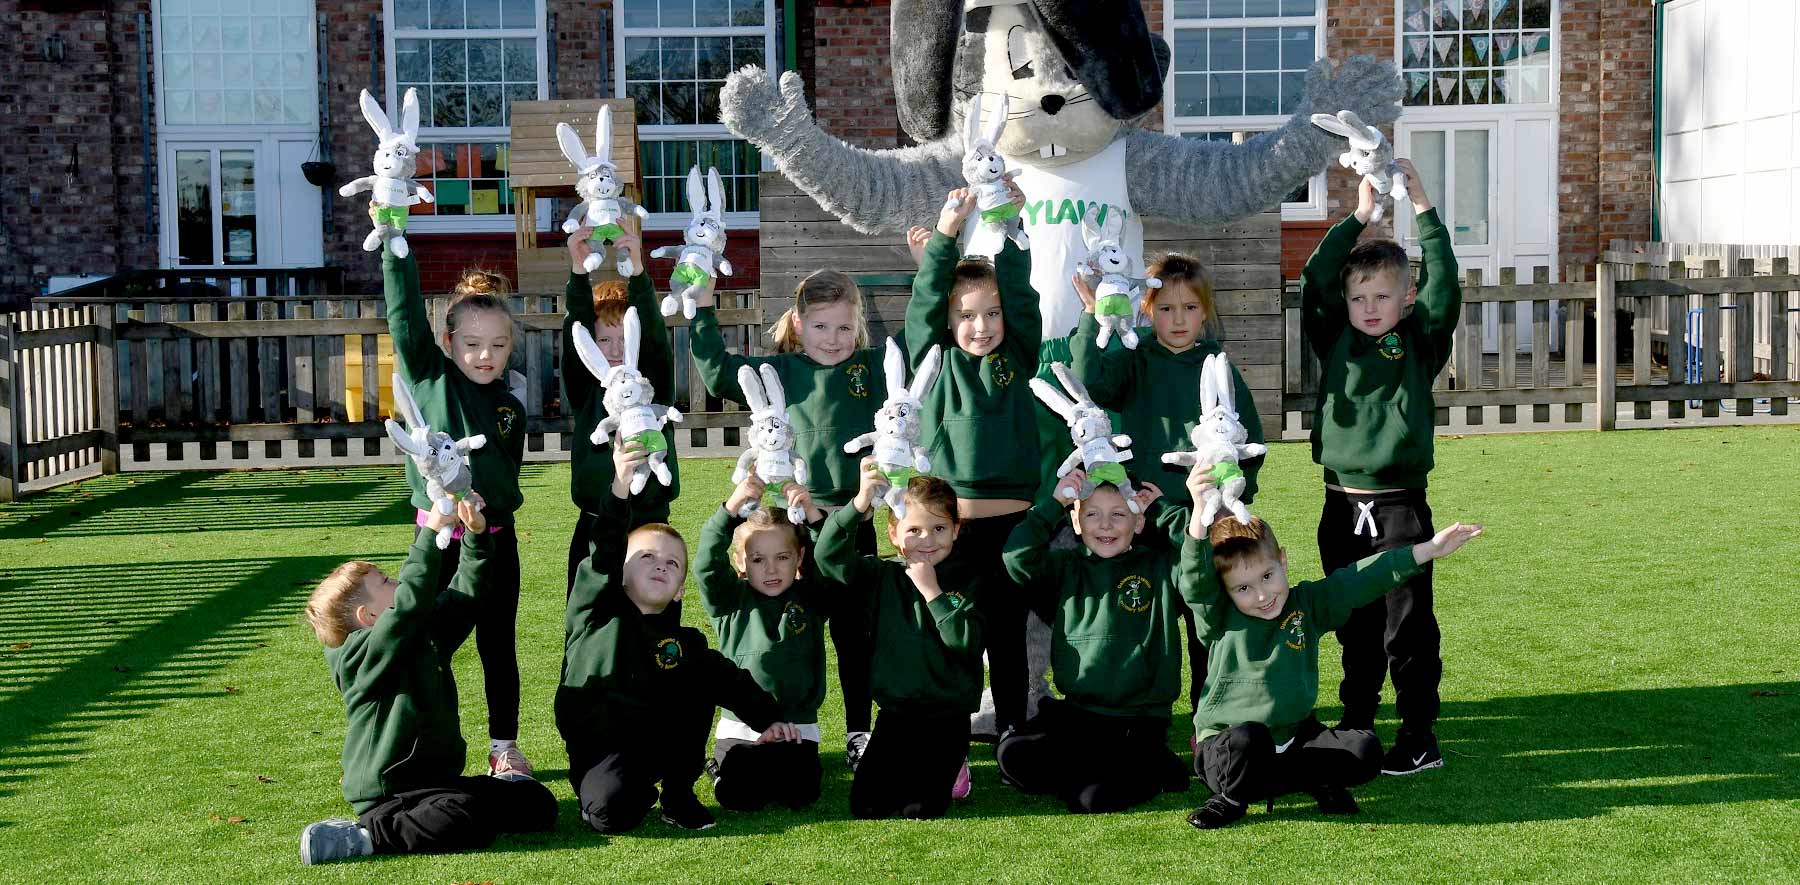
x=985, y=171
x=1220, y=442
x=438, y=457
x=1116, y=298
x=629, y=410
x=896, y=434
x=601, y=207
x=1101, y=454
x=771, y=439
x=1370, y=155
x=396, y=162
x=703, y=244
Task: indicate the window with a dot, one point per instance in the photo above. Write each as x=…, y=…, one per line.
x=469, y=60
x=1476, y=52
x=1240, y=66
x=673, y=56
x=236, y=63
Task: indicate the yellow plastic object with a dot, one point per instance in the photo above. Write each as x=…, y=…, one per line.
x=353, y=376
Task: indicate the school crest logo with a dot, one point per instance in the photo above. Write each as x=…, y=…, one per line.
x=507, y=418
x=794, y=616
x=668, y=654
x=956, y=600
x=1134, y=593
x=858, y=375
x=1000, y=369
x=1294, y=625
x=1390, y=346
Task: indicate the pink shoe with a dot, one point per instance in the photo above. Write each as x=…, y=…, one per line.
x=509, y=764
x=1194, y=744
x=964, y=783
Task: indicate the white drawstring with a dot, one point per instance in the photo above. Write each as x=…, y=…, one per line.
x=1365, y=516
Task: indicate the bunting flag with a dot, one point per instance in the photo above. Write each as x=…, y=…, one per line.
x=1480, y=43
x=1502, y=88
x=1416, y=47
x=1500, y=9
x=1477, y=85
x=1443, y=45
x=1531, y=86
x=1418, y=87
x=1416, y=21
x=1504, y=45
x=1446, y=86
x=1540, y=41
x=1475, y=6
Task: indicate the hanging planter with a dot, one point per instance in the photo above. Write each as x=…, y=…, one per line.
x=319, y=174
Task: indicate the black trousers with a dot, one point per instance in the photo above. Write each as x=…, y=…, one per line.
x=496, y=628
x=1196, y=659
x=1094, y=763
x=853, y=641
x=616, y=786
x=1397, y=633
x=1002, y=607
x=910, y=765
x=752, y=775
x=1241, y=763
x=464, y=813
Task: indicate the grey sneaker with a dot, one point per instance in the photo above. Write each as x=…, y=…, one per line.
x=334, y=839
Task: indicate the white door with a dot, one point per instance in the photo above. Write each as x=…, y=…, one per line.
x=210, y=207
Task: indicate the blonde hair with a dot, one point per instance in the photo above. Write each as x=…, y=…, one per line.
x=1178, y=268
x=331, y=610
x=610, y=302
x=762, y=519
x=479, y=289
x=820, y=288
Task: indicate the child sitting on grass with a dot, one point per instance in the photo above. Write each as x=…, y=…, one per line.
x=638, y=688
x=927, y=641
x=1258, y=736
x=389, y=644
x=770, y=615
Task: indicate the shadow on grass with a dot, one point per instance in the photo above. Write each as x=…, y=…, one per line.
x=180, y=503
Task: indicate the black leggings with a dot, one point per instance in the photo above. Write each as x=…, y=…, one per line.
x=1241, y=764
x=851, y=639
x=752, y=775
x=464, y=813
x=1002, y=607
x=1093, y=763
x=496, y=633
x=910, y=765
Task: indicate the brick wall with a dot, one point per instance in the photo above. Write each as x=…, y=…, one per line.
x=354, y=66
x=1626, y=190
x=853, y=84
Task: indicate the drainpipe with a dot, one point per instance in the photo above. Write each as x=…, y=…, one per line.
x=790, y=37
x=1656, y=128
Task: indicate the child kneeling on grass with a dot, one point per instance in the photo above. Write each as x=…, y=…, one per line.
x=769, y=612
x=638, y=688
x=927, y=642
x=389, y=644
x=1257, y=733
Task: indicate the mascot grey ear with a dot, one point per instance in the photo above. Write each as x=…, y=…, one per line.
x=1111, y=50
x=923, y=35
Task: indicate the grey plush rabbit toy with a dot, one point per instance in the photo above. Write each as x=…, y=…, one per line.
x=1370, y=155
x=438, y=457
x=629, y=410
x=771, y=439
x=1117, y=297
x=1101, y=453
x=896, y=434
x=393, y=190
x=703, y=245
x=601, y=207
x=1220, y=442
x=985, y=171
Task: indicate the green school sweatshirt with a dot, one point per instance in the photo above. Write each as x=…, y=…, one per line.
x=625, y=673
x=1376, y=418
x=591, y=470
x=1268, y=670
x=1155, y=396
x=927, y=655
x=1115, y=624
x=450, y=402
x=827, y=405
x=779, y=640
x=980, y=418
x=399, y=694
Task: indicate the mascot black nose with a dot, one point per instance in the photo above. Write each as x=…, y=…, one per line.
x=1052, y=103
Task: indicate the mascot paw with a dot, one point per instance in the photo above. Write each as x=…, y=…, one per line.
x=1370, y=88
x=754, y=107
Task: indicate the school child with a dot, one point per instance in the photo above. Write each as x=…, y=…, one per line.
x=459, y=382
x=601, y=306
x=769, y=612
x=1381, y=341
x=833, y=382
x=927, y=639
x=1258, y=736
x=638, y=689
x=388, y=642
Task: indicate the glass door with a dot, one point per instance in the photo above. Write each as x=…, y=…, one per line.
x=1457, y=163
x=212, y=219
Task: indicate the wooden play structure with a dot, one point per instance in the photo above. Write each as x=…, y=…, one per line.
x=538, y=169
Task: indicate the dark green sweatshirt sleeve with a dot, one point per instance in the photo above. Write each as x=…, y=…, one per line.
x=459, y=604
x=836, y=550
x=1165, y=525
x=736, y=690
x=928, y=311
x=1322, y=312
x=720, y=587
x=1359, y=584
x=1110, y=375
x=1440, y=293
x=656, y=358
x=958, y=624
x=600, y=575
x=416, y=353
x=1019, y=305
x=1246, y=407
x=718, y=366
x=579, y=385
x=1028, y=558
x=1199, y=587
x=411, y=616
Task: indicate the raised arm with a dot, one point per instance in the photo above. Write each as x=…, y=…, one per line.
x=414, y=603
x=1027, y=556
x=1019, y=305
x=599, y=576
x=720, y=587
x=656, y=358
x=1440, y=294
x=1358, y=584
x=579, y=385
x=1199, y=587
x=718, y=366
x=1246, y=406
x=836, y=553
x=416, y=352
x=928, y=310
x=1110, y=374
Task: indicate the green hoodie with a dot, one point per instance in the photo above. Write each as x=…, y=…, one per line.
x=1267, y=671
x=1115, y=624
x=624, y=670
x=779, y=639
x=927, y=655
x=450, y=402
x=1155, y=395
x=827, y=405
x=591, y=470
x=399, y=694
x=980, y=418
x=1375, y=421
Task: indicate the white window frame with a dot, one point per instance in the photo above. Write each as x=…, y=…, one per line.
x=1311, y=210
x=1484, y=111
x=664, y=221
x=502, y=223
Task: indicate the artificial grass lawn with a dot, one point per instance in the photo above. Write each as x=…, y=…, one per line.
x=1619, y=693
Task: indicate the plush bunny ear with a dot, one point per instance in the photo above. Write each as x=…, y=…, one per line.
x=992, y=130
x=378, y=118
x=1330, y=123
x=773, y=390
x=406, y=405
x=1090, y=232
x=1071, y=383
x=696, y=192
x=634, y=331
x=893, y=365
x=571, y=145
x=926, y=373
x=752, y=387
x=402, y=439
x=972, y=124
x=715, y=195
x=1053, y=398
x=409, y=115
x=1209, y=398
x=603, y=134
x=1223, y=394
x=589, y=353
